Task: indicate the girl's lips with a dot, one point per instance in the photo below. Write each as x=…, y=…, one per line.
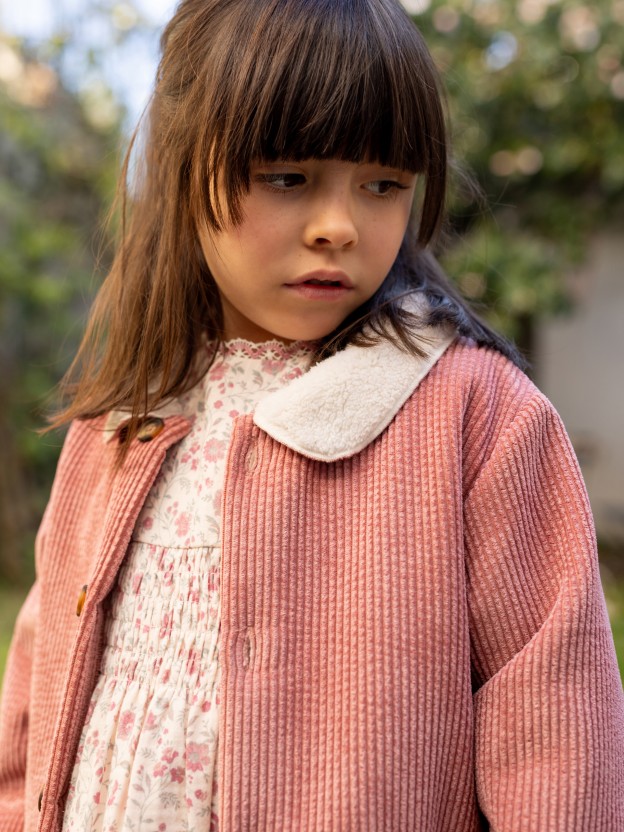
x=322, y=284
x=326, y=276
x=319, y=291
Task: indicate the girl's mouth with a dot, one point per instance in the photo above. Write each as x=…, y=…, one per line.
x=318, y=290
x=315, y=282
x=326, y=278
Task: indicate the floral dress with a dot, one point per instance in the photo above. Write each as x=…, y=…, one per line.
x=148, y=750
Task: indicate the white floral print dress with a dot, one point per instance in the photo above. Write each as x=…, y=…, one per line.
x=148, y=750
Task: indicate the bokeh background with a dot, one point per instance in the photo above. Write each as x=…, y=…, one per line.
x=536, y=99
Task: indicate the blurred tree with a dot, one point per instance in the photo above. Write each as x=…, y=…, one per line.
x=57, y=172
x=536, y=96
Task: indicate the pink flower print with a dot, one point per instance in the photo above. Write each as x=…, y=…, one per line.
x=160, y=769
x=205, y=707
x=126, y=723
x=162, y=827
x=177, y=775
x=200, y=794
x=218, y=404
x=148, y=522
x=213, y=579
x=296, y=372
x=166, y=625
x=182, y=524
x=273, y=366
x=217, y=371
x=192, y=451
x=96, y=797
x=213, y=450
x=169, y=755
x=150, y=722
x=234, y=414
x=113, y=794
x=191, y=661
x=197, y=756
x=214, y=822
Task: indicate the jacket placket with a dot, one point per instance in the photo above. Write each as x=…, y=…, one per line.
x=131, y=486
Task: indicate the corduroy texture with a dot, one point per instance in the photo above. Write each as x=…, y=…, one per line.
x=413, y=638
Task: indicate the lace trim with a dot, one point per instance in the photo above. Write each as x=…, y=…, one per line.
x=273, y=350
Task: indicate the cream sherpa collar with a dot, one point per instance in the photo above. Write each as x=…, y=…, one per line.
x=341, y=404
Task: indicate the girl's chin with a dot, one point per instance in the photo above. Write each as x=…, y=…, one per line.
x=296, y=331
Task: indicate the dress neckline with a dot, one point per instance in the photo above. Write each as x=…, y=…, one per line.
x=272, y=348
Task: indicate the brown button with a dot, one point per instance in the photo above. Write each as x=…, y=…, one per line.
x=40, y=799
x=150, y=428
x=251, y=458
x=81, y=599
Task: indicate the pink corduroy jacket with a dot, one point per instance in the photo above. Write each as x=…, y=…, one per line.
x=413, y=637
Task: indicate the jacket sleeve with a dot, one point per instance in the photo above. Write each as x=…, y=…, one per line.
x=548, y=701
x=14, y=710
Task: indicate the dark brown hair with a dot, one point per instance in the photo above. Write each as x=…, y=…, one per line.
x=241, y=80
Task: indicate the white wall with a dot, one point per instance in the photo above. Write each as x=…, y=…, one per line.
x=580, y=367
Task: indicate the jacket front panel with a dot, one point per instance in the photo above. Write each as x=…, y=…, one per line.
x=344, y=636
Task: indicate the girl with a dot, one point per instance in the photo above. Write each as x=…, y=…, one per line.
x=333, y=555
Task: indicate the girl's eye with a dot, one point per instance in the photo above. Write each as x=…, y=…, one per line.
x=385, y=187
x=281, y=181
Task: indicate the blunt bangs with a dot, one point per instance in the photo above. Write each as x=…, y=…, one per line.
x=345, y=79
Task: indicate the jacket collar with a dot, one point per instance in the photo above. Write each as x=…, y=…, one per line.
x=342, y=403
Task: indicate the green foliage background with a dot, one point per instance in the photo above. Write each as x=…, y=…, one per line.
x=536, y=96
x=57, y=173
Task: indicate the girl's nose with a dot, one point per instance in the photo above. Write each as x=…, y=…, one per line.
x=331, y=225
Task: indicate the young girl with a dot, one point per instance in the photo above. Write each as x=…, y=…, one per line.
x=329, y=548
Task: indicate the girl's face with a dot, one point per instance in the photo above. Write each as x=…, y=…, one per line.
x=316, y=241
